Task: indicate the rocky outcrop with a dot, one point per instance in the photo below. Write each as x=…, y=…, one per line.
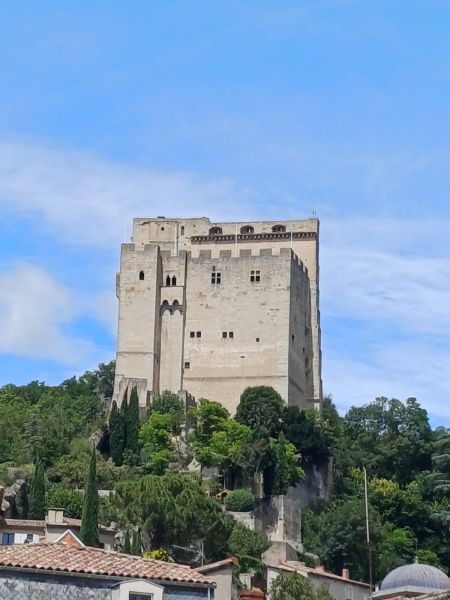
x=14, y=501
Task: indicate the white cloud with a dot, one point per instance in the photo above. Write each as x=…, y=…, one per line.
x=391, y=276
x=35, y=311
x=91, y=202
x=385, y=287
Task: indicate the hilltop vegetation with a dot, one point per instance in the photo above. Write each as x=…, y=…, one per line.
x=165, y=507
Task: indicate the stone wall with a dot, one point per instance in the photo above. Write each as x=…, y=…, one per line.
x=34, y=587
x=24, y=586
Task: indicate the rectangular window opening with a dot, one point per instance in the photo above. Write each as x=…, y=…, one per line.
x=137, y=596
x=187, y=365
x=215, y=277
x=255, y=276
x=199, y=334
x=8, y=539
x=192, y=334
x=224, y=334
x=231, y=334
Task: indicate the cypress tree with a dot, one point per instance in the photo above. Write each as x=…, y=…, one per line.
x=116, y=437
x=37, y=497
x=124, y=418
x=89, y=519
x=126, y=549
x=281, y=478
x=136, y=545
x=132, y=427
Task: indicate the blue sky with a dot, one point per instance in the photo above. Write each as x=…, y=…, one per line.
x=236, y=109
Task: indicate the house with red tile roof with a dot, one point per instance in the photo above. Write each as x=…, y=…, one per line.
x=69, y=569
x=24, y=531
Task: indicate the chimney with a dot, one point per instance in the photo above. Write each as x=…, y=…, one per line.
x=55, y=516
x=345, y=574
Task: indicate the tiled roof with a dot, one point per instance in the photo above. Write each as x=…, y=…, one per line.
x=233, y=561
x=292, y=565
x=66, y=558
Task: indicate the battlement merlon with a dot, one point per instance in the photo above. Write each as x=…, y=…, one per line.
x=180, y=233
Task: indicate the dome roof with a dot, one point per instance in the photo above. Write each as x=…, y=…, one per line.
x=416, y=575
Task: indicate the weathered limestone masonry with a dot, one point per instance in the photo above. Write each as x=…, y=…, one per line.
x=209, y=309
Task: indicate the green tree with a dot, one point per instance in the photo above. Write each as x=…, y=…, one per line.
x=390, y=438
x=117, y=434
x=173, y=513
x=136, y=544
x=37, y=496
x=89, y=519
x=261, y=407
x=293, y=586
x=248, y=547
x=168, y=403
x=287, y=471
x=132, y=426
x=158, y=447
x=309, y=433
x=126, y=549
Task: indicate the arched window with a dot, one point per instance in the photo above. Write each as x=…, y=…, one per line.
x=174, y=280
x=165, y=306
x=215, y=231
x=175, y=306
x=247, y=229
x=278, y=228
x=141, y=276
x=168, y=280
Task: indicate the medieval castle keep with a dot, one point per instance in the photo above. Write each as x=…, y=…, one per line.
x=208, y=309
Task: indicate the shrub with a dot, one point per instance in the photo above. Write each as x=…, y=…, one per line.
x=240, y=501
x=71, y=501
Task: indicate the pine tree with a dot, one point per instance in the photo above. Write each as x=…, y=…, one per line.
x=37, y=497
x=132, y=428
x=117, y=435
x=89, y=519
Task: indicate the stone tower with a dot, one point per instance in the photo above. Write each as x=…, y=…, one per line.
x=208, y=309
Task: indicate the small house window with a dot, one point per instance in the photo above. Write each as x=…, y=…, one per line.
x=215, y=231
x=255, y=276
x=216, y=277
x=182, y=230
x=174, y=280
x=231, y=334
x=278, y=228
x=187, y=365
x=141, y=276
x=168, y=280
x=224, y=334
x=257, y=339
x=199, y=334
x=247, y=229
x=137, y=596
x=227, y=334
x=8, y=539
x=192, y=334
